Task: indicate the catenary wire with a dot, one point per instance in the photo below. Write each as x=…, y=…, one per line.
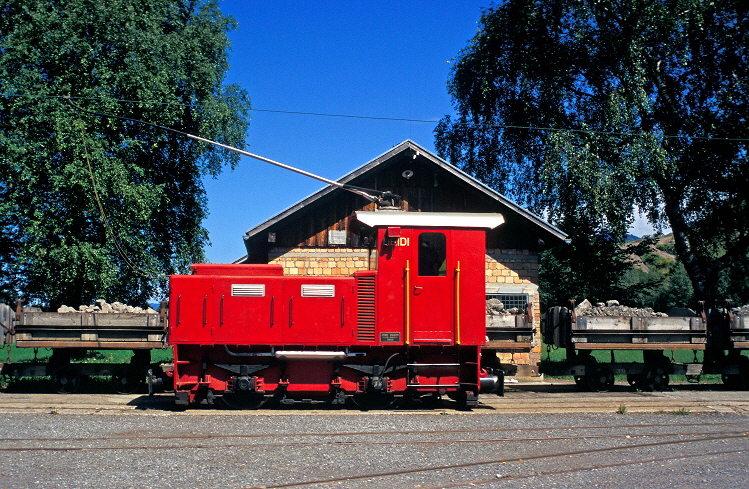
x=405, y=119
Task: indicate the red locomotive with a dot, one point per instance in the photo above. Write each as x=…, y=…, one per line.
x=414, y=326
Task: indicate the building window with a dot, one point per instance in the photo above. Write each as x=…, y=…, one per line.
x=510, y=300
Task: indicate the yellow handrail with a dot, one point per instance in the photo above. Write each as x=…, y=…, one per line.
x=408, y=302
x=457, y=304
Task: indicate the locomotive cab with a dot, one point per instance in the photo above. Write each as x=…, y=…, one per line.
x=431, y=276
x=246, y=334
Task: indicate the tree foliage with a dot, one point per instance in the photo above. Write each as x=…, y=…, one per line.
x=94, y=207
x=598, y=278
x=588, y=110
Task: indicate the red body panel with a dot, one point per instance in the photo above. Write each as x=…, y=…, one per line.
x=247, y=307
x=469, y=248
x=446, y=307
x=319, y=310
x=248, y=312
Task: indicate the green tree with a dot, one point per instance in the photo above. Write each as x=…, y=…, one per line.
x=587, y=110
x=94, y=207
x=597, y=277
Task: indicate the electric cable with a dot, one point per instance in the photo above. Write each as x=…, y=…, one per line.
x=399, y=119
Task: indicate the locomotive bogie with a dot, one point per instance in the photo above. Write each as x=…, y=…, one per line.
x=325, y=375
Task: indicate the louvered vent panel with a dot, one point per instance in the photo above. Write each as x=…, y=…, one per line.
x=365, y=307
x=318, y=290
x=248, y=290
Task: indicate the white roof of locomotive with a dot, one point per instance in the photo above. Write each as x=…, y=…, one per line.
x=430, y=219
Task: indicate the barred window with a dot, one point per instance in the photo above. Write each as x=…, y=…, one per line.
x=510, y=300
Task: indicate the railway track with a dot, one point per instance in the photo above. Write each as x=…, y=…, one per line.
x=586, y=468
x=441, y=437
x=370, y=477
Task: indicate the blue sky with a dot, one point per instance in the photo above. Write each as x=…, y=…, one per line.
x=379, y=59
x=386, y=59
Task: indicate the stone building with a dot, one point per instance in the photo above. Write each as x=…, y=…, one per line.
x=318, y=236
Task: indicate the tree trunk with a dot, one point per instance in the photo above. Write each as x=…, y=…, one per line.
x=702, y=275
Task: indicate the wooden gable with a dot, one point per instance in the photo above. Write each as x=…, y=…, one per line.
x=424, y=182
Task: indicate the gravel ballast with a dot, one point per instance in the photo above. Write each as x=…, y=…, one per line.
x=168, y=451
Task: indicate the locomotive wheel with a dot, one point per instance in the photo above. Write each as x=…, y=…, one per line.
x=243, y=400
x=600, y=379
x=127, y=380
x=373, y=401
x=65, y=380
x=654, y=379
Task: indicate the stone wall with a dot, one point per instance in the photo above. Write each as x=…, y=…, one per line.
x=511, y=271
x=511, y=267
x=322, y=261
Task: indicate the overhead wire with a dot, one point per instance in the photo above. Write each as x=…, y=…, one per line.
x=358, y=190
x=366, y=193
x=402, y=119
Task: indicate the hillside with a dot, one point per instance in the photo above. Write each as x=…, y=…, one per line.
x=665, y=241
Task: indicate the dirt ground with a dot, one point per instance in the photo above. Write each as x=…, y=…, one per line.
x=520, y=398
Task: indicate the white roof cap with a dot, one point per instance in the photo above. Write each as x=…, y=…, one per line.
x=430, y=219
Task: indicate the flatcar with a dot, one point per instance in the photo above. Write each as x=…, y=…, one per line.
x=71, y=334
x=719, y=335
x=412, y=327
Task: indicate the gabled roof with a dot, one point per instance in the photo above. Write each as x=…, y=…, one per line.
x=416, y=150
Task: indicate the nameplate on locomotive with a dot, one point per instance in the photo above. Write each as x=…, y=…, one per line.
x=390, y=337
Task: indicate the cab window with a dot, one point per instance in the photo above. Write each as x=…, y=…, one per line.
x=432, y=255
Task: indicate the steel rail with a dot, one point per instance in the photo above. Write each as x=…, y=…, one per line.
x=607, y=428
x=549, y=473
x=379, y=475
x=440, y=441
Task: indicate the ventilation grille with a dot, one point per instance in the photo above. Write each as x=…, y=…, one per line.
x=365, y=307
x=318, y=290
x=248, y=290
